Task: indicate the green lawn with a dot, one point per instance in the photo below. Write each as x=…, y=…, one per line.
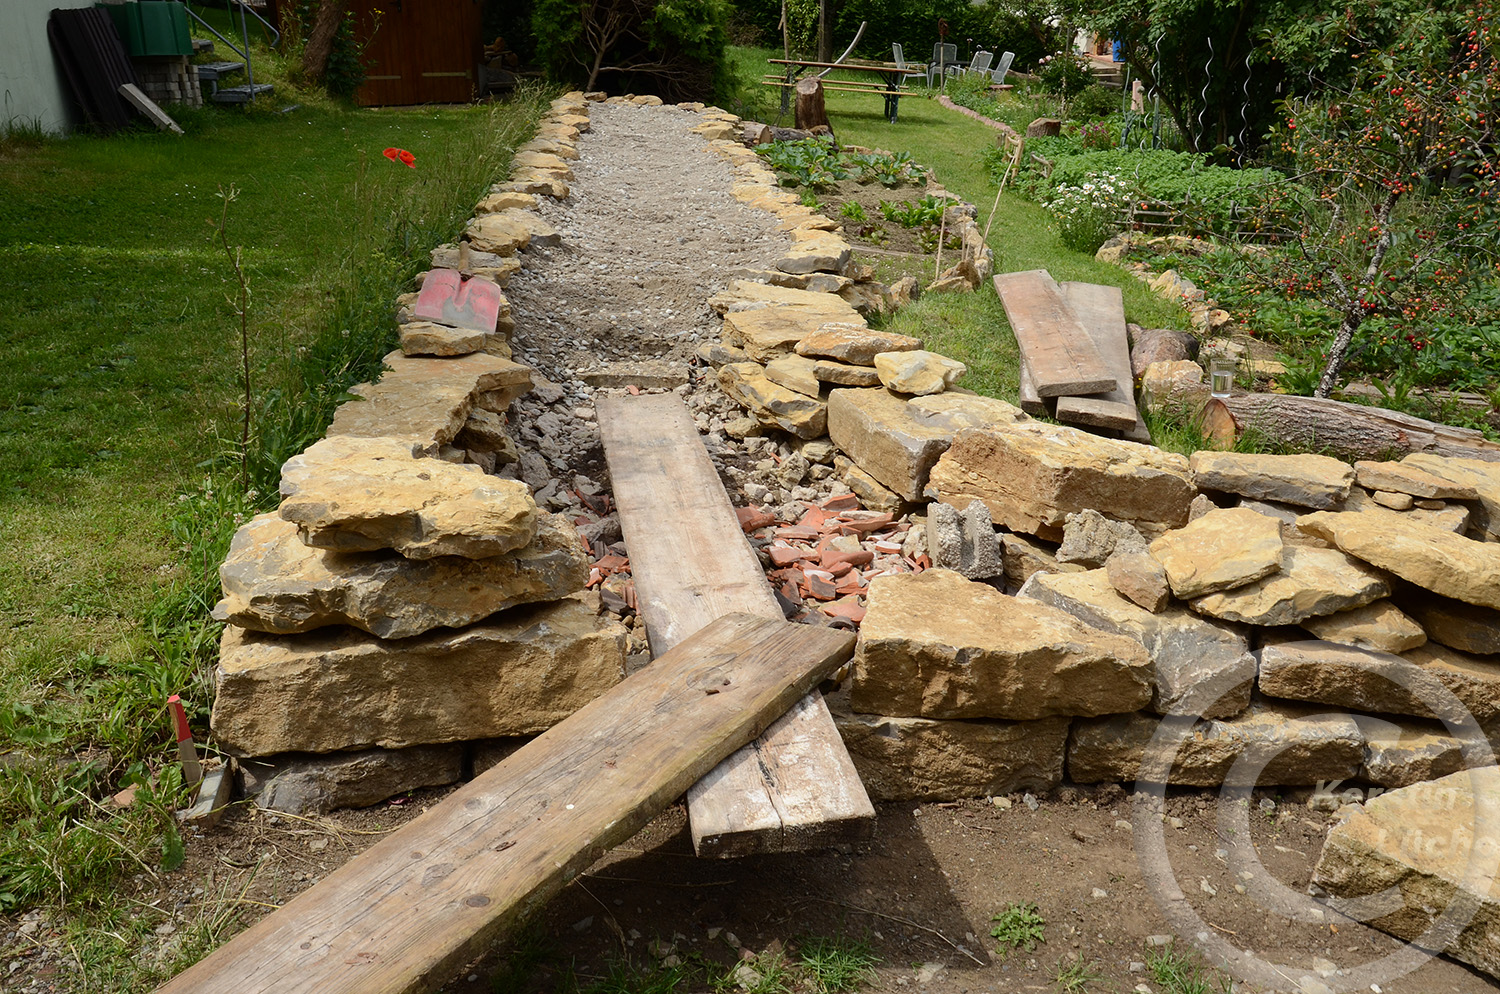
x=119, y=428
x=970, y=328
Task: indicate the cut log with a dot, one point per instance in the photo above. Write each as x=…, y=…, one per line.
x=755, y=133
x=404, y=915
x=810, y=111
x=794, y=787
x=1101, y=311
x=1059, y=354
x=1352, y=431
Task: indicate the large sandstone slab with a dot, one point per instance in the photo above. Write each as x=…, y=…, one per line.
x=814, y=251
x=1311, y=582
x=1367, y=680
x=767, y=332
x=1305, y=480
x=516, y=674
x=957, y=409
x=876, y=429
x=362, y=494
x=771, y=404
x=854, y=345
x=1414, y=852
x=1032, y=475
x=1429, y=557
x=274, y=582
x=1290, y=746
x=508, y=231
x=1381, y=626
x=905, y=759
x=1479, y=474
x=1202, y=668
x=1224, y=549
x=935, y=645
x=426, y=400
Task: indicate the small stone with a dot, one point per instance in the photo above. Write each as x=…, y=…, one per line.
x=1394, y=501
x=319, y=784
x=917, y=371
x=1380, y=625
x=1176, y=387
x=855, y=345
x=795, y=373
x=773, y=405
x=1406, y=478
x=1098, y=892
x=1455, y=624
x=426, y=338
x=1031, y=802
x=1138, y=576
x=1089, y=539
x=843, y=374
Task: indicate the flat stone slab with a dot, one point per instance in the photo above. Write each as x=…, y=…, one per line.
x=795, y=372
x=1366, y=680
x=518, y=673
x=311, y=785
x=814, y=251
x=1407, y=478
x=1480, y=475
x=770, y=403
x=1417, y=850
x=956, y=409
x=426, y=400
x=1311, y=582
x=767, y=332
x=1031, y=475
x=1202, y=668
x=362, y=494
x=1292, y=745
x=1222, y=550
x=1304, y=480
x=854, y=345
x=273, y=582
x=1433, y=559
x=507, y=232
x=918, y=371
x=1381, y=626
x=424, y=338
x=908, y=759
x=935, y=645
x=843, y=374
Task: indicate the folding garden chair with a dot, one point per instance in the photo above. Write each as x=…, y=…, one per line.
x=997, y=78
x=900, y=59
x=943, y=54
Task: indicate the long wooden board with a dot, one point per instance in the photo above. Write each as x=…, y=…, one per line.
x=404, y=915
x=1101, y=312
x=794, y=787
x=1058, y=353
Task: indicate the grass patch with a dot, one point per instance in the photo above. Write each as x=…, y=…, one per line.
x=120, y=438
x=1183, y=973
x=968, y=327
x=839, y=964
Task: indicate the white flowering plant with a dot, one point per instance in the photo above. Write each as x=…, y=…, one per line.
x=1088, y=213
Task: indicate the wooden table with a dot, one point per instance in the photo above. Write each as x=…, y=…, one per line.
x=887, y=83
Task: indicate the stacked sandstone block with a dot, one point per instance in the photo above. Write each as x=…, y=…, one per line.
x=404, y=609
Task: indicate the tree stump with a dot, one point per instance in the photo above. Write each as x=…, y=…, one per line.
x=810, y=111
x=1044, y=127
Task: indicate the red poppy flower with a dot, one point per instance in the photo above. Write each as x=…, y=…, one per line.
x=401, y=155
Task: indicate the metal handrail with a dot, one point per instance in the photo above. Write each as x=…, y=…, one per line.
x=243, y=53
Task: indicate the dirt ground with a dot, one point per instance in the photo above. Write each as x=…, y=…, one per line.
x=922, y=892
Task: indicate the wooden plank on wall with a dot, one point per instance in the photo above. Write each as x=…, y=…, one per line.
x=1059, y=354
x=795, y=787
x=1101, y=312
x=407, y=913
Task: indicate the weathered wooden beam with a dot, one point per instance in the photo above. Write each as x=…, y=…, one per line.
x=407, y=913
x=794, y=787
x=1058, y=353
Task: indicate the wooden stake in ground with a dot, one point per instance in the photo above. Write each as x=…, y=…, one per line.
x=404, y=915
x=810, y=111
x=1013, y=164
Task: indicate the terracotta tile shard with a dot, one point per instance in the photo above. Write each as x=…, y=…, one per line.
x=829, y=557
x=782, y=555
x=752, y=518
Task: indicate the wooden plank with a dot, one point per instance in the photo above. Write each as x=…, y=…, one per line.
x=1101, y=311
x=1059, y=353
x=148, y=107
x=794, y=787
x=1031, y=402
x=406, y=914
x=1096, y=412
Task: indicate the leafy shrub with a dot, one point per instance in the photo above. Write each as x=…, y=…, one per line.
x=815, y=163
x=1088, y=214
x=913, y=214
x=1065, y=74
x=853, y=211
x=1019, y=926
x=1095, y=101
x=1097, y=135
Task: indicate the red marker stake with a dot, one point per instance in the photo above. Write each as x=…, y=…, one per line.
x=191, y=771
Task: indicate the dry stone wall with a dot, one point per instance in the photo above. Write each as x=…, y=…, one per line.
x=1034, y=599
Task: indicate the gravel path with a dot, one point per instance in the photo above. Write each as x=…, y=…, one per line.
x=650, y=231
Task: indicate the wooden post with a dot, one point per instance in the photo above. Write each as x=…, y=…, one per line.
x=825, y=34
x=811, y=110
